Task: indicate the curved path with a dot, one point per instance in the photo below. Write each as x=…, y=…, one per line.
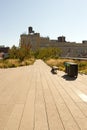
x=32, y=98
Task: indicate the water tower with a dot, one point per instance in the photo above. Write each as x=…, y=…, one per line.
x=30, y=30
x=61, y=39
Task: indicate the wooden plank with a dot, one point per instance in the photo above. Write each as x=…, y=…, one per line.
x=83, y=108
x=73, y=110
x=20, y=93
x=5, y=112
x=14, y=120
x=27, y=122
x=40, y=113
x=32, y=98
x=54, y=120
x=9, y=87
x=82, y=123
x=66, y=116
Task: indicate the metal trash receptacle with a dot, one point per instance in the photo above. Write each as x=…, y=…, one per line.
x=71, y=69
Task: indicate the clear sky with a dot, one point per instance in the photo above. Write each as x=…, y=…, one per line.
x=51, y=18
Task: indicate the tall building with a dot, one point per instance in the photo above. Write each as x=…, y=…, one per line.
x=32, y=39
x=69, y=49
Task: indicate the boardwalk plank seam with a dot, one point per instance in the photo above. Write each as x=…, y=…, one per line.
x=51, y=79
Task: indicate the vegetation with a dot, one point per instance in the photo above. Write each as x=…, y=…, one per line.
x=10, y=63
x=17, y=57
x=82, y=65
x=24, y=56
x=58, y=62
x=47, y=53
x=19, y=53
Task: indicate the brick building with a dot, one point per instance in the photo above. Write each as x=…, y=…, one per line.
x=69, y=49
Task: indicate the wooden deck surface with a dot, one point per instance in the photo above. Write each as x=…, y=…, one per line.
x=32, y=98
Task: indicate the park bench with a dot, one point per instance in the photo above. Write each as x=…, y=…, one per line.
x=54, y=69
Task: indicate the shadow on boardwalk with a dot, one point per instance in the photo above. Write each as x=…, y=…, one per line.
x=66, y=77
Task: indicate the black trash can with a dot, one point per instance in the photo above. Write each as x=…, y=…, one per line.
x=71, y=69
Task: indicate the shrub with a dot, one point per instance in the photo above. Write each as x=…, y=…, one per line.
x=46, y=53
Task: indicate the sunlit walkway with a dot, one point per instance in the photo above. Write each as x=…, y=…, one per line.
x=32, y=98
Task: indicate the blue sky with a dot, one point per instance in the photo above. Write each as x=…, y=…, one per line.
x=51, y=18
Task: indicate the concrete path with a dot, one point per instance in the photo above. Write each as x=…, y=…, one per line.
x=32, y=98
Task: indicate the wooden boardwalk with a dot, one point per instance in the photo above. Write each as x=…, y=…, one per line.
x=32, y=98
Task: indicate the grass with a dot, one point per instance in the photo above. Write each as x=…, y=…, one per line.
x=10, y=63
x=82, y=65
x=57, y=62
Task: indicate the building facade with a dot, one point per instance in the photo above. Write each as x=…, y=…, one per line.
x=3, y=52
x=69, y=49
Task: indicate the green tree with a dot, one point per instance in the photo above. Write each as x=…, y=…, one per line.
x=13, y=52
x=19, y=53
x=45, y=53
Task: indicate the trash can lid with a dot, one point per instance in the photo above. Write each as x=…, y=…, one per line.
x=69, y=63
